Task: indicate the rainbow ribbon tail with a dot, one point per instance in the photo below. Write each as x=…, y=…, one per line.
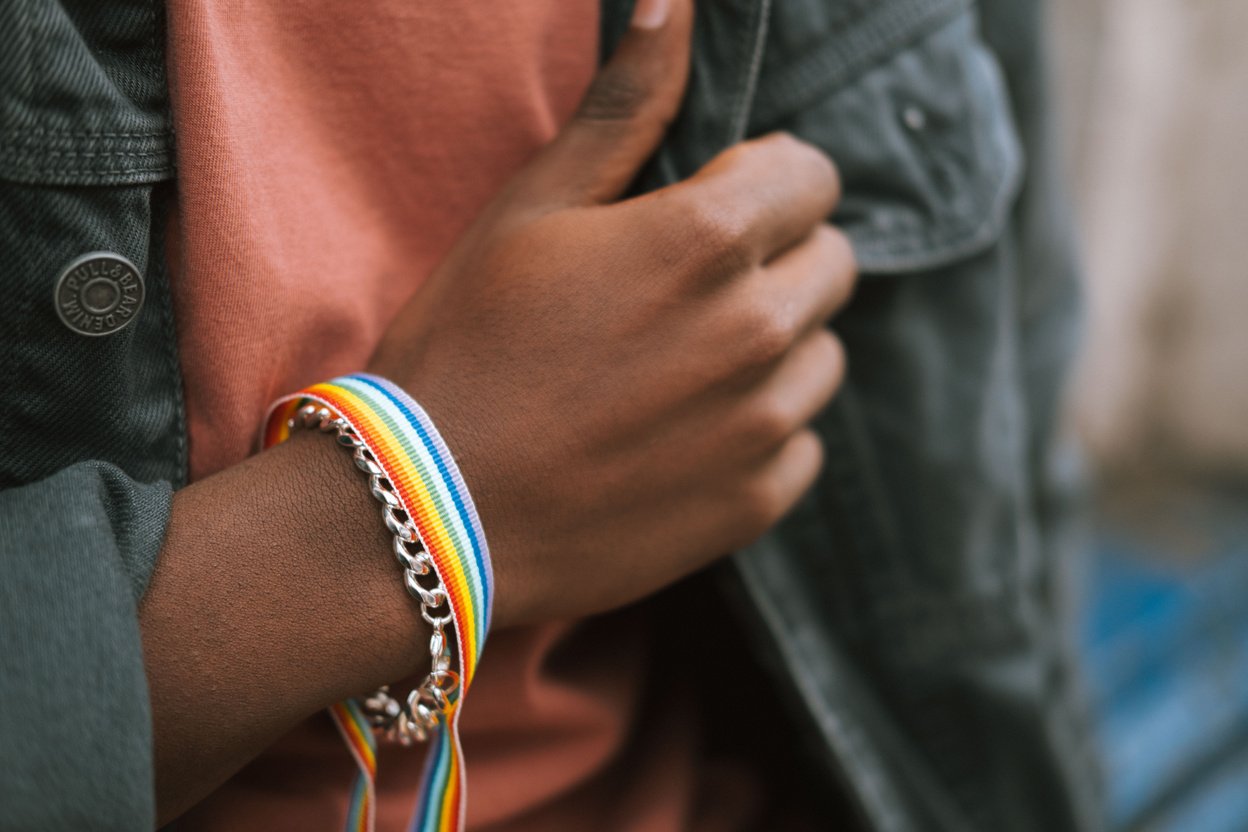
x=356, y=732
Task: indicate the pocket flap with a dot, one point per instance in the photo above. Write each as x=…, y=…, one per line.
x=924, y=139
x=83, y=94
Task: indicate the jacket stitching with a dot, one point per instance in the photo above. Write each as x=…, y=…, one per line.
x=45, y=171
x=169, y=324
x=86, y=154
x=745, y=98
x=46, y=131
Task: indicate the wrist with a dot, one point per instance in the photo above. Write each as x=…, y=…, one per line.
x=371, y=624
x=274, y=596
x=437, y=538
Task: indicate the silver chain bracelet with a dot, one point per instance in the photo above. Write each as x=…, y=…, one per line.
x=421, y=712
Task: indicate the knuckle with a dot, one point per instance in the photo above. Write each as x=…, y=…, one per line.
x=770, y=495
x=812, y=455
x=767, y=425
x=763, y=503
x=819, y=163
x=717, y=238
x=715, y=226
x=765, y=497
x=741, y=153
x=784, y=142
x=840, y=249
x=837, y=252
x=765, y=153
x=832, y=242
x=794, y=151
x=765, y=337
x=834, y=359
x=824, y=169
x=767, y=145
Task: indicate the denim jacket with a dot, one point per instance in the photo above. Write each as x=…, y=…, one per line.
x=914, y=609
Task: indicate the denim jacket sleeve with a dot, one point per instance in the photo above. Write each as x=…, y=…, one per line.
x=75, y=729
x=91, y=430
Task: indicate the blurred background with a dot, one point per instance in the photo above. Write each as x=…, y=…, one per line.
x=1153, y=96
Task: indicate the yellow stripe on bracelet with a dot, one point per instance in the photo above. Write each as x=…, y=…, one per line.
x=401, y=437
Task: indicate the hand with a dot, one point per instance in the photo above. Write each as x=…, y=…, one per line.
x=627, y=384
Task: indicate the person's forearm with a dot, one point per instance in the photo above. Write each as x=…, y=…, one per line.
x=274, y=597
x=626, y=384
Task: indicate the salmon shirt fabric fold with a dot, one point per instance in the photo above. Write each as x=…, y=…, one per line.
x=329, y=155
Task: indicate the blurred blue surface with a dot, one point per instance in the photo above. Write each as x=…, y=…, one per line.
x=1166, y=648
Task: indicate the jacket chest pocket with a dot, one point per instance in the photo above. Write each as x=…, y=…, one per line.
x=913, y=108
x=86, y=162
x=925, y=490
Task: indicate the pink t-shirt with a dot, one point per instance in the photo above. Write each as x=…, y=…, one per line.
x=329, y=154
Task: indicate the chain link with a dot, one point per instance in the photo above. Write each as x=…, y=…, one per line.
x=419, y=714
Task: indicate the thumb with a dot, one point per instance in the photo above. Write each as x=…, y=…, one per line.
x=624, y=115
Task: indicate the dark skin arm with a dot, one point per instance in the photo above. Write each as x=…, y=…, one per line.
x=240, y=649
x=626, y=385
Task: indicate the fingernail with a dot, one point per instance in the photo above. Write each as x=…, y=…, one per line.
x=651, y=14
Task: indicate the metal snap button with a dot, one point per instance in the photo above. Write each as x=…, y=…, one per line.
x=914, y=118
x=99, y=293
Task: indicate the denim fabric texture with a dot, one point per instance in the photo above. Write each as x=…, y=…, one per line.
x=85, y=143
x=917, y=603
x=92, y=440
x=75, y=726
x=914, y=607
x=83, y=94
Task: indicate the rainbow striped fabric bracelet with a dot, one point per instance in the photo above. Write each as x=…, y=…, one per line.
x=437, y=539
